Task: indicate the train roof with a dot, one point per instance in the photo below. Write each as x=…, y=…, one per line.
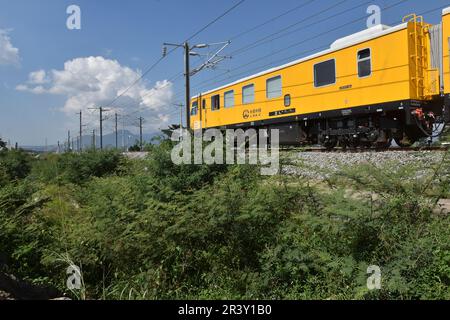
x=345, y=42
x=446, y=11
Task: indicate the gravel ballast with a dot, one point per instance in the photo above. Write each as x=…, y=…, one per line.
x=321, y=164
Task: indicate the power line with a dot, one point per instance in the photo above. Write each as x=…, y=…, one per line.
x=215, y=20
x=236, y=36
x=101, y=110
x=399, y=21
x=270, y=20
x=257, y=42
x=173, y=49
x=314, y=37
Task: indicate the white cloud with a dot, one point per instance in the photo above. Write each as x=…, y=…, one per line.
x=35, y=90
x=38, y=77
x=9, y=55
x=96, y=81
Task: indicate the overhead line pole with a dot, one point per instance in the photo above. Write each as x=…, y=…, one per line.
x=115, y=115
x=68, y=141
x=211, y=62
x=81, y=132
x=93, y=139
x=187, y=74
x=101, y=109
x=101, y=128
x=140, y=132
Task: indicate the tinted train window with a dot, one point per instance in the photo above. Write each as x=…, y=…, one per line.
x=364, y=63
x=274, y=87
x=215, y=102
x=204, y=104
x=228, y=99
x=287, y=100
x=325, y=73
x=248, y=94
x=194, y=108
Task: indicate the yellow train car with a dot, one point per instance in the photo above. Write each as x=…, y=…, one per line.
x=366, y=89
x=446, y=50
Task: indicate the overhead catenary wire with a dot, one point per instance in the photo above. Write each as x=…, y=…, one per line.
x=314, y=37
x=158, y=61
x=428, y=11
x=307, y=18
x=173, y=49
x=256, y=43
x=271, y=20
x=313, y=50
x=298, y=22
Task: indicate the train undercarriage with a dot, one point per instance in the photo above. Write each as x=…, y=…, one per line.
x=368, y=127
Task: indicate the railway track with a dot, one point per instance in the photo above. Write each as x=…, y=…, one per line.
x=363, y=150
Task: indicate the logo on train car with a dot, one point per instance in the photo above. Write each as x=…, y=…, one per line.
x=252, y=113
x=281, y=112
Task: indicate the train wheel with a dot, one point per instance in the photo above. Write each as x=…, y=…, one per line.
x=330, y=143
x=353, y=143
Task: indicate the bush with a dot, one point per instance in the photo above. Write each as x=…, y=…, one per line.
x=150, y=230
x=14, y=165
x=78, y=168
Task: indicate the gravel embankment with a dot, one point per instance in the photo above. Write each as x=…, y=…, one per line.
x=321, y=164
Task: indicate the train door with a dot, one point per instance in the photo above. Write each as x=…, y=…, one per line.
x=203, y=112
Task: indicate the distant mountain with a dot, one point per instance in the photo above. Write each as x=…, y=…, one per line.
x=125, y=139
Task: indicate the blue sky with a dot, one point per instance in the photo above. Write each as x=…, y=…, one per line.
x=124, y=38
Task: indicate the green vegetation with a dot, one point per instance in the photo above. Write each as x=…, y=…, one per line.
x=147, y=229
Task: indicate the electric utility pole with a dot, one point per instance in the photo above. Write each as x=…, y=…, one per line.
x=115, y=116
x=140, y=132
x=187, y=74
x=211, y=62
x=93, y=139
x=68, y=141
x=80, y=148
x=101, y=124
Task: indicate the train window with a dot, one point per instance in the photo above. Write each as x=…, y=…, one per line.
x=194, y=108
x=215, y=102
x=273, y=87
x=325, y=73
x=364, y=63
x=204, y=104
x=248, y=94
x=228, y=99
x=287, y=100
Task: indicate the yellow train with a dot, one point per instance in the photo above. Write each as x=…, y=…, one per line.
x=367, y=89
